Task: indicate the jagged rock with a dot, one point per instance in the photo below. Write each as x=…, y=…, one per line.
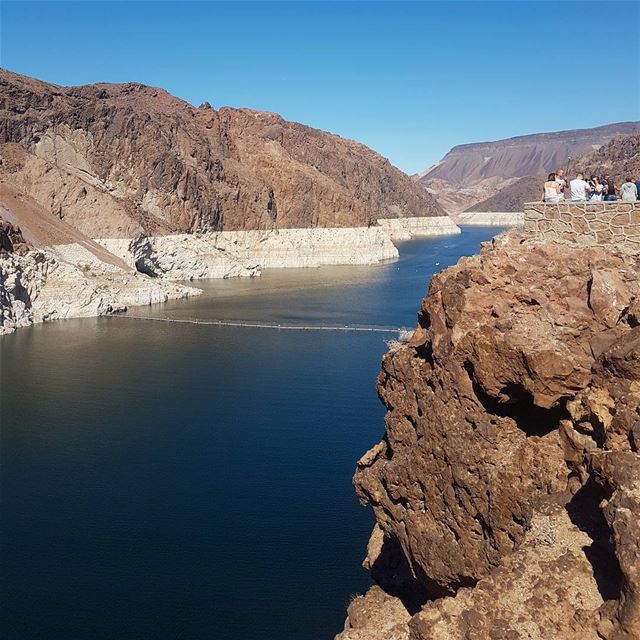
x=508, y=474
x=38, y=286
x=144, y=256
x=11, y=240
x=184, y=257
x=115, y=161
x=546, y=589
x=376, y=616
x=619, y=473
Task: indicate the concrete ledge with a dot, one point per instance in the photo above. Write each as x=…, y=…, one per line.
x=603, y=224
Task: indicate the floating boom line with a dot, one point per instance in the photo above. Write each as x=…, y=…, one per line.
x=266, y=325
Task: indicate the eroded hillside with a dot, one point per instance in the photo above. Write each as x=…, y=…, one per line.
x=118, y=160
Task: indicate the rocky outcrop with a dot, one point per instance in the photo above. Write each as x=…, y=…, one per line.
x=620, y=159
x=180, y=257
x=116, y=161
x=11, y=239
x=41, y=285
x=19, y=276
x=506, y=486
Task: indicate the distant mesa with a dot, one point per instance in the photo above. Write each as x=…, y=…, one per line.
x=501, y=175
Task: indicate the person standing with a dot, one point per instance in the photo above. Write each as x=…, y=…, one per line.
x=579, y=188
x=629, y=191
x=552, y=190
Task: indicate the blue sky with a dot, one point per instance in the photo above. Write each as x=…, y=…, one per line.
x=408, y=79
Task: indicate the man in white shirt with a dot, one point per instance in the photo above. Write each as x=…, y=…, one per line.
x=580, y=189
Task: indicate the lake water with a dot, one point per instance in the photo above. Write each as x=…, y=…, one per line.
x=181, y=481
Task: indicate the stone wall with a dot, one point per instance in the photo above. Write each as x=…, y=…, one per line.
x=604, y=224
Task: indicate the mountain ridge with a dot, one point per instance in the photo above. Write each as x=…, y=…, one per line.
x=499, y=174
x=631, y=125
x=154, y=164
x=574, y=139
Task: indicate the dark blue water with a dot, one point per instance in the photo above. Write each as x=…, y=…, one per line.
x=169, y=481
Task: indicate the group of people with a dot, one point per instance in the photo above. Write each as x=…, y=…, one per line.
x=596, y=188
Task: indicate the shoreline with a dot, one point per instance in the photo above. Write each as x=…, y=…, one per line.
x=74, y=280
x=490, y=219
x=225, y=254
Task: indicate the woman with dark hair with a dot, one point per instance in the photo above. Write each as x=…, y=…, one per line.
x=552, y=189
x=597, y=189
x=610, y=193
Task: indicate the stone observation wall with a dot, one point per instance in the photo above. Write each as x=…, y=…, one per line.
x=603, y=224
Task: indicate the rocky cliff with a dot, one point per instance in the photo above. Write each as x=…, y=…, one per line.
x=119, y=160
x=38, y=285
x=506, y=488
x=620, y=158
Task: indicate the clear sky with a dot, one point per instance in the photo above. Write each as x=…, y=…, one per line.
x=409, y=79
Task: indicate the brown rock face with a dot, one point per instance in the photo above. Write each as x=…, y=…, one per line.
x=116, y=160
x=506, y=487
x=11, y=240
x=620, y=159
x=513, y=196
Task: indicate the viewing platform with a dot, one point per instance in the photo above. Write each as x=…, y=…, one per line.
x=603, y=224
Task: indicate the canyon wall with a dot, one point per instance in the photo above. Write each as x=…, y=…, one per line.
x=126, y=182
x=506, y=486
x=117, y=160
